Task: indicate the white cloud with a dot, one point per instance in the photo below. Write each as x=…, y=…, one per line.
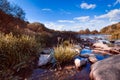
x=96, y=21
x=111, y=15
x=83, y=22
x=92, y=24
x=113, y=22
x=55, y=26
x=117, y=2
x=46, y=9
x=66, y=21
x=62, y=11
x=82, y=18
x=87, y=6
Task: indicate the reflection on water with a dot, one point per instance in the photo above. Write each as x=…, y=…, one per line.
x=86, y=51
x=98, y=56
x=92, y=36
x=83, y=74
x=101, y=57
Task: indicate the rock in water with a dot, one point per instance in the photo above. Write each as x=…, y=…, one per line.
x=79, y=63
x=100, y=45
x=107, y=69
x=92, y=58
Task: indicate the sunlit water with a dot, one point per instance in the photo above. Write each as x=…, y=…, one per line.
x=91, y=36
x=84, y=72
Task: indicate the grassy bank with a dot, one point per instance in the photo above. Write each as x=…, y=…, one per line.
x=16, y=54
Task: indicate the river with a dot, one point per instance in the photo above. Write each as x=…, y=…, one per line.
x=93, y=36
x=68, y=73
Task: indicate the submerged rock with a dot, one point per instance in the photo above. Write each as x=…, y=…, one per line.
x=85, y=55
x=107, y=69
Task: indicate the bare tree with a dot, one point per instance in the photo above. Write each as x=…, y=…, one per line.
x=12, y=9
x=18, y=12
x=5, y=6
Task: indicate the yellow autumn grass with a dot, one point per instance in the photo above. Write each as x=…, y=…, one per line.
x=15, y=54
x=64, y=54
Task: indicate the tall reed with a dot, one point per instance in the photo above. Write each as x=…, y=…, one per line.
x=16, y=53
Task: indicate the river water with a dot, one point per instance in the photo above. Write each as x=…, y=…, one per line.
x=93, y=36
x=84, y=73
x=72, y=74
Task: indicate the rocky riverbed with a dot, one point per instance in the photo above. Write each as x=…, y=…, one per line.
x=68, y=72
x=100, y=65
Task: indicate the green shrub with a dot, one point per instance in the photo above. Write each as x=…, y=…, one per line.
x=64, y=54
x=16, y=53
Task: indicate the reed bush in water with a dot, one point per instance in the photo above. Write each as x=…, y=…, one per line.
x=64, y=54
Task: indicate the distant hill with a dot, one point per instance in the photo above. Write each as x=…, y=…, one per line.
x=114, y=30
x=87, y=31
x=8, y=24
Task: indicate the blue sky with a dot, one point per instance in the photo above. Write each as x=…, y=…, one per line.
x=71, y=15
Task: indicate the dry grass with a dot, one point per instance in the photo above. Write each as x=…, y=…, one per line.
x=64, y=54
x=15, y=54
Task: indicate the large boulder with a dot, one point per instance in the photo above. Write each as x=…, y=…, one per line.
x=107, y=69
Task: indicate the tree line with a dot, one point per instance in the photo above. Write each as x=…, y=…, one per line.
x=12, y=9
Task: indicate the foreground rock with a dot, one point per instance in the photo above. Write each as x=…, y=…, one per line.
x=108, y=69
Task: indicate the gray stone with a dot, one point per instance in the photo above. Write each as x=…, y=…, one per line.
x=79, y=63
x=93, y=59
x=107, y=69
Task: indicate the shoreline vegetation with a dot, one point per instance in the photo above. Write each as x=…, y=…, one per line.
x=17, y=54
x=21, y=43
